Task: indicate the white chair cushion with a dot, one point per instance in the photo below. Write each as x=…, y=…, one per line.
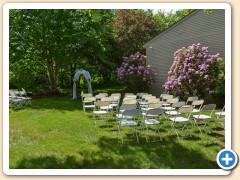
x=220, y=113
x=128, y=123
x=179, y=119
x=201, y=116
x=172, y=113
x=99, y=112
x=150, y=121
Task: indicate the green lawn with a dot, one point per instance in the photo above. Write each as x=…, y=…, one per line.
x=55, y=134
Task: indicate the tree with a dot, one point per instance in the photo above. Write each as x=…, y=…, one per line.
x=165, y=20
x=133, y=29
x=54, y=43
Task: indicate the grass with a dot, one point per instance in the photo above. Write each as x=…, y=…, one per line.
x=55, y=134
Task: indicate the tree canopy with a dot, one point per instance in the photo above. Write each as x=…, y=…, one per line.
x=47, y=46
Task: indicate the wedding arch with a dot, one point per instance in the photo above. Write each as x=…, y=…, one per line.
x=87, y=76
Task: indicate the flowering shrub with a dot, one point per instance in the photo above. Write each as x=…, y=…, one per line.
x=194, y=72
x=135, y=73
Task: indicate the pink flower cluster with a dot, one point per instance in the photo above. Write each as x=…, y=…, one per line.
x=193, y=72
x=134, y=69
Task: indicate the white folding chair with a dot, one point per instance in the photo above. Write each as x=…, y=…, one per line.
x=88, y=103
x=99, y=112
x=191, y=99
x=197, y=105
x=150, y=122
x=127, y=124
x=182, y=119
x=220, y=117
x=204, y=116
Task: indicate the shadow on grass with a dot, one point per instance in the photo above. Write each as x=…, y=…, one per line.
x=112, y=154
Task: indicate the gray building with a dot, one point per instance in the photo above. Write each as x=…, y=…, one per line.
x=197, y=27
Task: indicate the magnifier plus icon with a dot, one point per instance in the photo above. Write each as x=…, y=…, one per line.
x=227, y=159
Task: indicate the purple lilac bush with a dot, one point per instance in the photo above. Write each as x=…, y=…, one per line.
x=135, y=73
x=194, y=72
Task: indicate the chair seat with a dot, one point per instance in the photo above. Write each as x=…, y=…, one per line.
x=168, y=108
x=89, y=106
x=100, y=112
x=150, y=121
x=195, y=110
x=113, y=105
x=146, y=109
x=121, y=116
x=128, y=123
x=220, y=113
x=143, y=103
x=172, y=113
x=179, y=119
x=201, y=116
x=105, y=107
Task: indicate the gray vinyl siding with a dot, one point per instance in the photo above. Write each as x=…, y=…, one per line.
x=198, y=27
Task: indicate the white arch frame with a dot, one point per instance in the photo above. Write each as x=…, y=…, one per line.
x=76, y=79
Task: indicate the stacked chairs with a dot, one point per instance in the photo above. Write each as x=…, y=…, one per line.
x=162, y=95
x=150, y=122
x=204, y=116
x=18, y=99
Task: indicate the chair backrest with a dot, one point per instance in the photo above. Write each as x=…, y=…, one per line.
x=162, y=95
x=209, y=107
x=172, y=100
x=139, y=95
x=86, y=95
x=90, y=99
x=166, y=97
x=154, y=100
x=155, y=112
x=105, y=94
x=154, y=105
x=110, y=99
x=127, y=106
x=128, y=98
x=131, y=101
x=198, y=102
x=149, y=97
x=128, y=94
x=178, y=104
x=185, y=109
x=115, y=98
x=132, y=112
x=100, y=96
x=145, y=96
x=191, y=99
x=102, y=103
x=118, y=95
